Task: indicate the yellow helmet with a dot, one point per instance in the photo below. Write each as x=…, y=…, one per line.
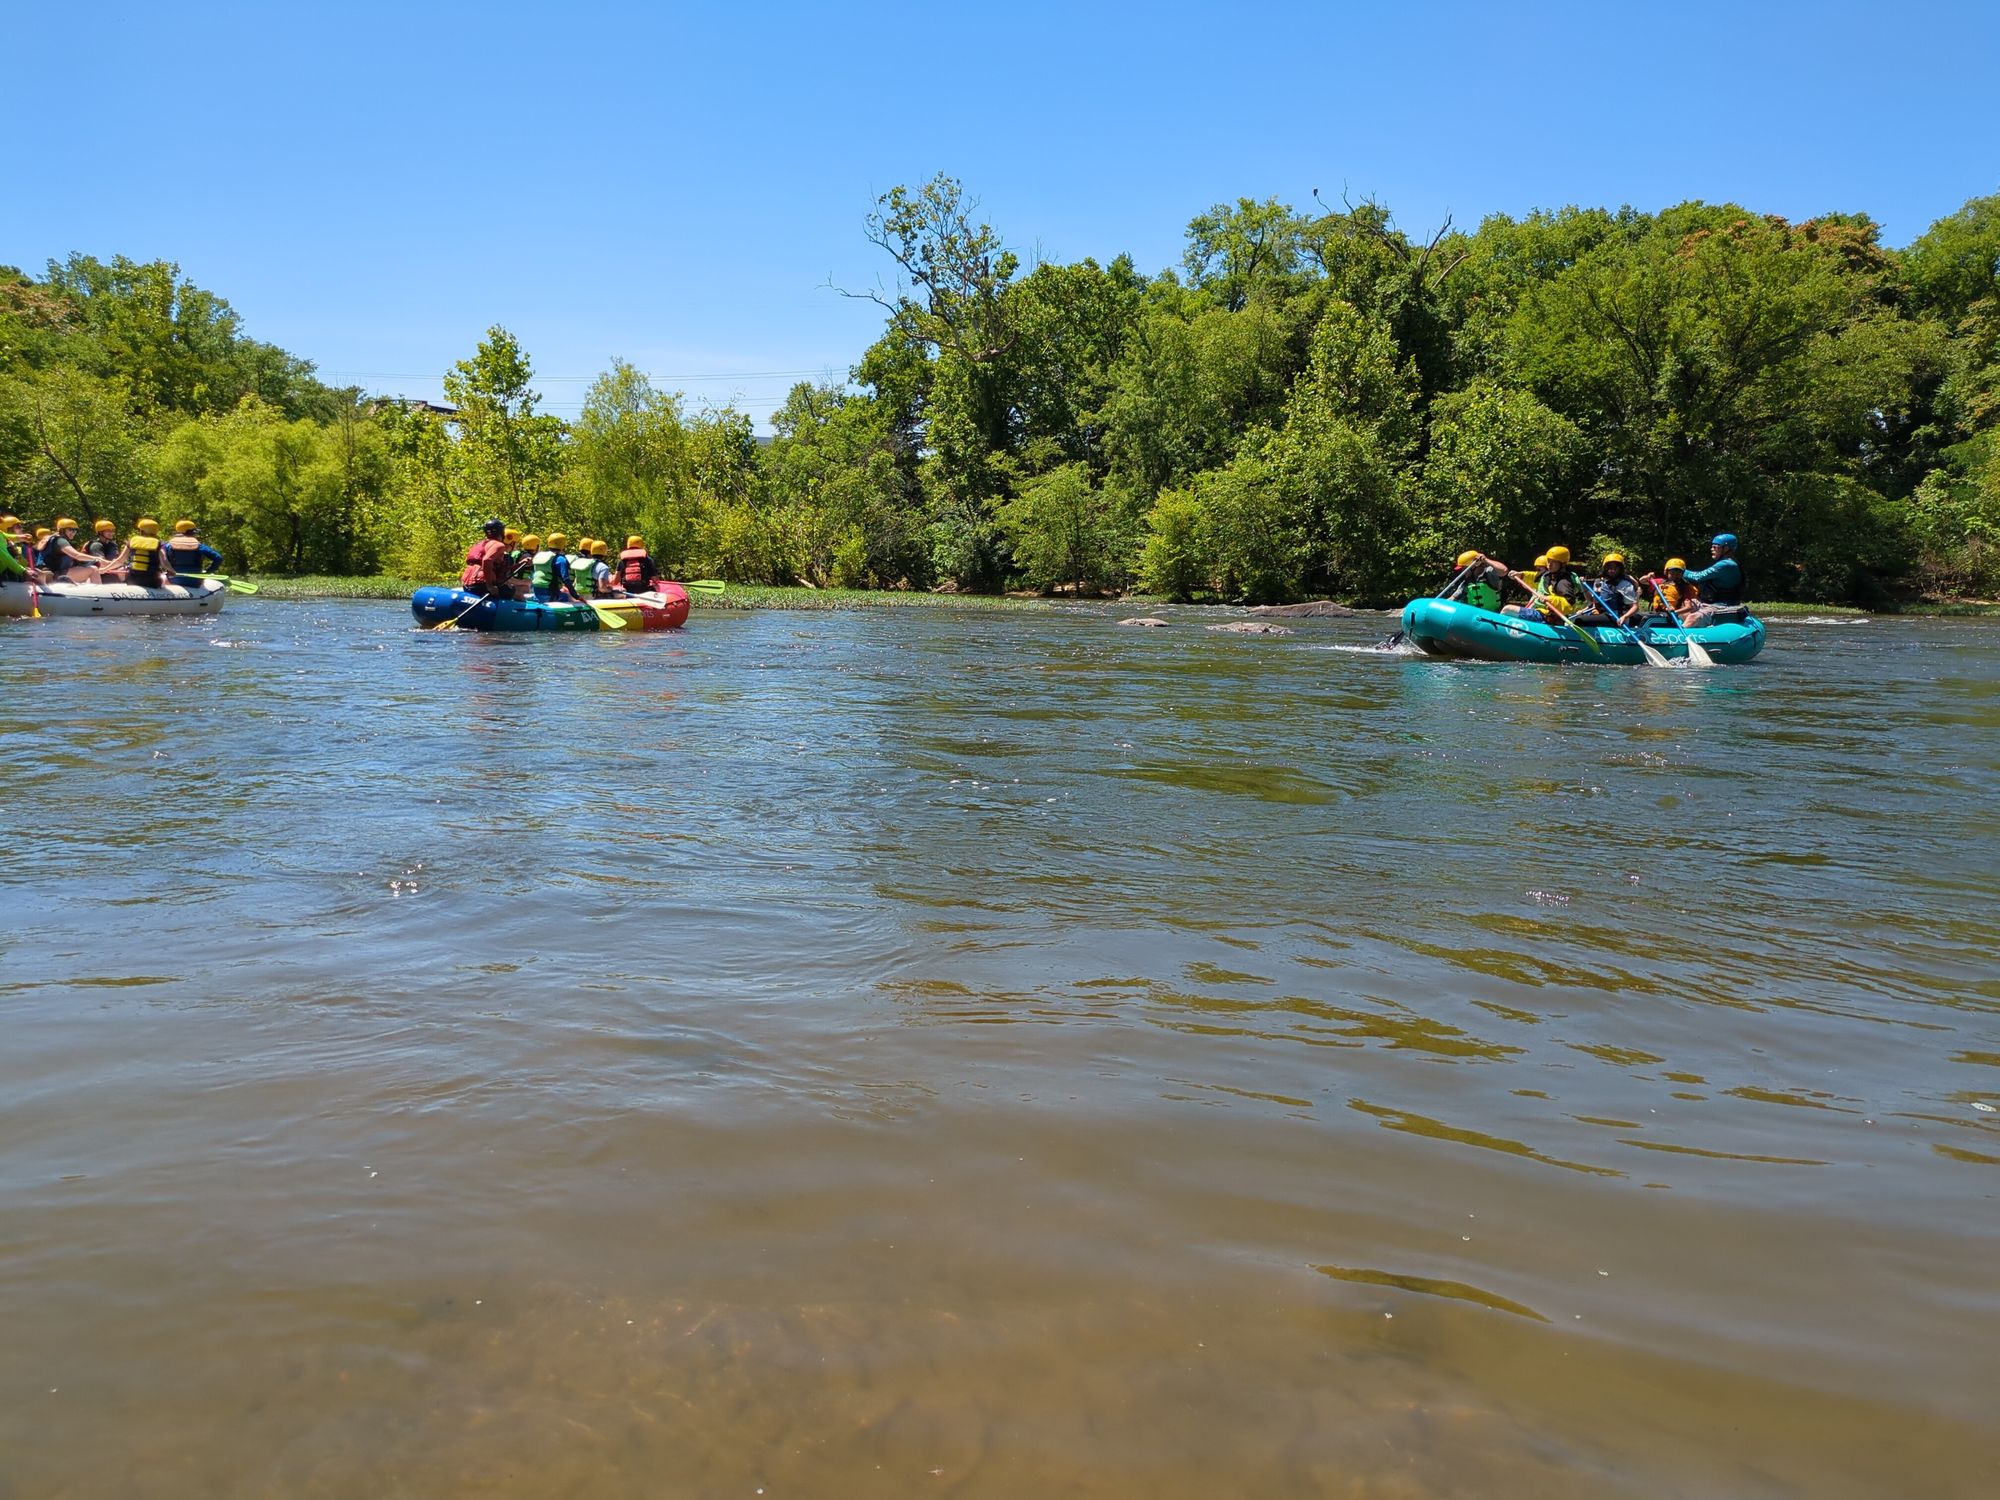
x=105, y=528
x=634, y=541
x=510, y=535
x=184, y=528
x=42, y=534
x=1542, y=561
x=148, y=528
x=10, y=521
x=600, y=549
x=1614, y=557
x=1674, y=565
x=64, y=523
x=1557, y=554
x=556, y=540
x=1467, y=559
x=583, y=544
x=531, y=542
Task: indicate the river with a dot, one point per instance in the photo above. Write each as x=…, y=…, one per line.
x=961, y=1053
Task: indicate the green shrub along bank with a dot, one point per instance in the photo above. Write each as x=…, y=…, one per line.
x=1309, y=404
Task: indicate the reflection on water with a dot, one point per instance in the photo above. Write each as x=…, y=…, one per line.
x=994, y=1054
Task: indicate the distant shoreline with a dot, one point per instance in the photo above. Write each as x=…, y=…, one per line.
x=743, y=596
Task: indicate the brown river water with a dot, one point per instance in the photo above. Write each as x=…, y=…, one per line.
x=936, y=1053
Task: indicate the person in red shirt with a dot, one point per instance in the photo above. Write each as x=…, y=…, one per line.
x=486, y=568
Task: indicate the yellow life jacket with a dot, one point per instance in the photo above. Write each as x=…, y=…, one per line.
x=1676, y=594
x=145, y=564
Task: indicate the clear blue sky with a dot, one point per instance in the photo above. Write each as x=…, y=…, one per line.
x=372, y=185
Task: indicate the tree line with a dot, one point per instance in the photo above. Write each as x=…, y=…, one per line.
x=1312, y=402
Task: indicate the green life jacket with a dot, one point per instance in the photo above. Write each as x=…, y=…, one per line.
x=544, y=574
x=579, y=573
x=1482, y=595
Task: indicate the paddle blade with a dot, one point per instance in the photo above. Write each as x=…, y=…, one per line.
x=610, y=619
x=704, y=586
x=1698, y=654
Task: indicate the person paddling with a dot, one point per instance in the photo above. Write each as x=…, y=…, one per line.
x=148, y=567
x=636, y=569
x=601, y=584
x=550, y=573
x=1670, y=592
x=1615, y=588
x=1721, y=583
x=486, y=569
x=108, y=551
x=189, y=554
x=1556, y=589
x=1481, y=581
x=62, y=559
x=579, y=566
x=13, y=564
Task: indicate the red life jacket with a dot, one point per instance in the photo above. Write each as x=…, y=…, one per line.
x=636, y=571
x=483, y=565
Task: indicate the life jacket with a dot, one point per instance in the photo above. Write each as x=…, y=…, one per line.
x=579, y=571
x=636, y=569
x=1559, y=592
x=53, y=559
x=485, y=566
x=600, y=586
x=1623, y=594
x=542, y=573
x=144, y=569
x=1482, y=595
x=184, y=552
x=1722, y=581
x=1676, y=594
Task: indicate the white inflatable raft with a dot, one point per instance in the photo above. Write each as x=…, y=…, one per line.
x=60, y=600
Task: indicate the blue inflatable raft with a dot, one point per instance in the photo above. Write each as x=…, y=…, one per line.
x=1444, y=627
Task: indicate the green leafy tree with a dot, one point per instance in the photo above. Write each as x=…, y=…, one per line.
x=1065, y=529
x=73, y=445
x=508, y=455
x=1350, y=433
x=278, y=494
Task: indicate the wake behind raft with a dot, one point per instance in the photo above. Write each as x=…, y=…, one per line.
x=663, y=608
x=1446, y=627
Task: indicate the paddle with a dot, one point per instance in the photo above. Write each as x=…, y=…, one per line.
x=610, y=619
x=234, y=585
x=1397, y=638
x=1697, y=652
x=1542, y=598
x=704, y=586
x=1652, y=655
x=452, y=623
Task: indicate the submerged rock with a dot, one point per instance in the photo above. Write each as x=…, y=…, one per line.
x=1145, y=620
x=1251, y=627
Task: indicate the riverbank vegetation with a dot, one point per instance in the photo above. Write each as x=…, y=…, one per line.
x=1312, y=402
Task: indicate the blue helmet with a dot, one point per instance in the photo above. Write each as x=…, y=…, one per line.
x=1723, y=539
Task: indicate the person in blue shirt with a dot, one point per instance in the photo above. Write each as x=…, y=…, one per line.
x=188, y=553
x=1720, y=584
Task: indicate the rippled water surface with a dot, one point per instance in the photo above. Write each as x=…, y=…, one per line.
x=989, y=1054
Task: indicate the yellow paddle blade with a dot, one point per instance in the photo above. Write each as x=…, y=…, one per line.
x=704, y=586
x=609, y=618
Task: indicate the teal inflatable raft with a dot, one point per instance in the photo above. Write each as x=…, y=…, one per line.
x=1444, y=627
